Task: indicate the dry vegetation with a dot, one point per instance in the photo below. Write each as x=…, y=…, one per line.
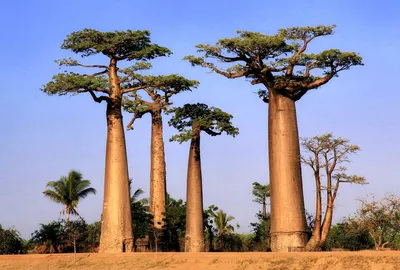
x=387, y=260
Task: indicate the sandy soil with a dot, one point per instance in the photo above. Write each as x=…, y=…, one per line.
x=386, y=260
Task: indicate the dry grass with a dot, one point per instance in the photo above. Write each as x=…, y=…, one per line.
x=365, y=260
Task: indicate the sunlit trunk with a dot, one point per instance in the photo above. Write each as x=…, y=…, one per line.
x=314, y=244
x=326, y=225
x=194, y=238
x=116, y=226
x=157, y=170
x=288, y=222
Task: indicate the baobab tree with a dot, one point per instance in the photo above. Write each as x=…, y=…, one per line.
x=279, y=62
x=111, y=83
x=261, y=194
x=160, y=91
x=190, y=120
x=380, y=218
x=328, y=154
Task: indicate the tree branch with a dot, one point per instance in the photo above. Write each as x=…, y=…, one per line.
x=92, y=66
x=211, y=132
x=224, y=73
x=96, y=74
x=319, y=82
x=98, y=99
x=136, y=116
x=132, y=89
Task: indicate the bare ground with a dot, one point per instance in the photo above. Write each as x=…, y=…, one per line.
x=386, y=260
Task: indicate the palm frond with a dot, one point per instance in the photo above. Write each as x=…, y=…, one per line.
x=84, y=193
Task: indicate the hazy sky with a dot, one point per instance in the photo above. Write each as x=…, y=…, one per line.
x=43, y=137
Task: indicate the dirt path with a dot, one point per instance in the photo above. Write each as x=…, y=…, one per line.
x=386, y=260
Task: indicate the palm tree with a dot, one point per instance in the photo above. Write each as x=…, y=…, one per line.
x=221, y=222
x=68, y=191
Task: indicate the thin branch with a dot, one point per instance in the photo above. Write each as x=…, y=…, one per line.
x=98, y=99
x=136, y=116
x=92, y=66
x=96, y=74
x=133, y=89
x=211, y=132
x=226, y=74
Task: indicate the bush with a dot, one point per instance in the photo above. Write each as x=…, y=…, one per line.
x=11, y=242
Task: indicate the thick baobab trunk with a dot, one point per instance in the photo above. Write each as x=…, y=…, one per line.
x=157, y=170
x=288, y=222
x=194, y=238
x=116, y=226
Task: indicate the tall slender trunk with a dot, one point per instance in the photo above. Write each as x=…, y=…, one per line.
x=194, y=238
x=288, y=222
x=327, y=223
x=116, y=226
x=157, y=170
x=314, y=243
x=264, y=209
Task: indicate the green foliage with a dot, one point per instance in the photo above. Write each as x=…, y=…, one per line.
x=117, y=46
x=380, y=218
x=341, y=237
x=261, y=230
x=52, y=235
x=73, y=83
x=60, y=236
x=159, y=89
x=11, y=242
x=93, y=234
x=141, y=217
x=174, y=226
x=211, y=120
x=277, y=61
x=221, y=221
x=68, y=191
x=261, y=193
x=129, y=45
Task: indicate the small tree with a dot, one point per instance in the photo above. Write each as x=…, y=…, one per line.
x=68, y=191
x=328, y=154
x=261, y=194
x=381, y=218
x=262, y=228
x=190, y=120
x=340, y=236
x=160, y=91
x=51, y=236
x=281, y=65
x=174, y=224
x=111, y=83
x=11, y=242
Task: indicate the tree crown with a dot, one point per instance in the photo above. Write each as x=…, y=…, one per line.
x=331, y=153
x=278, y=62
x=121, y=45
x=260, y=192
x=211, y=120
x=117, y=46
x=160, y=89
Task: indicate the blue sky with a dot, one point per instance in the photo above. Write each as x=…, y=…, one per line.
x=43, y=137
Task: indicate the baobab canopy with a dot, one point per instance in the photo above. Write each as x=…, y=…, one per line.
x=211, y=120
x=278, y=61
